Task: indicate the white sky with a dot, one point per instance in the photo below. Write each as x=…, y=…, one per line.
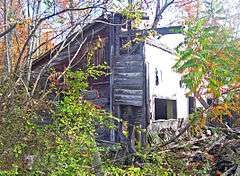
x=174, y=15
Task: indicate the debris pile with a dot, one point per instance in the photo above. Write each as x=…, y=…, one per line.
x=216, y=152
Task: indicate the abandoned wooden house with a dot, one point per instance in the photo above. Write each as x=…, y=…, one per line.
x=142, y=87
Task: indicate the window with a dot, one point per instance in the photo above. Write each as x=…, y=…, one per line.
x=156, y=77
x=165, y=109
x=124, y=27
x=209, y=101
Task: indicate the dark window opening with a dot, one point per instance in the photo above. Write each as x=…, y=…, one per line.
x=124, y=27
x=209, y=101
x=191, y=105
x=165, y=109
x=156, y=78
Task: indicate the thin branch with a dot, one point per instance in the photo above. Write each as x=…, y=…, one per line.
x=62, y=46
x=2, y=34
x=159, y=12
x=42, y=20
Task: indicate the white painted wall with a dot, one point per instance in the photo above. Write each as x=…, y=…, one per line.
x=169, y=87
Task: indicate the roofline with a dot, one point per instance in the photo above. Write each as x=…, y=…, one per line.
x=163, y=31
x=55, y=48
x=156, y=44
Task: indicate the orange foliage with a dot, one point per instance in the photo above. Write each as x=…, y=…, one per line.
x=17, y=40
x=190, y=7
x=63, y=3
x=19, y=36
x=46, y=35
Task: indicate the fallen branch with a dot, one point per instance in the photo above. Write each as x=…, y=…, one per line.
x=173, y=139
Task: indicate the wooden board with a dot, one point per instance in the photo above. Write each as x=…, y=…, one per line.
x=128, y=79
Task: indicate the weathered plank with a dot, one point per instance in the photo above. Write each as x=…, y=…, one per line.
x=127, y=68
x=125, y=57
x=100, y=101
x=128, y=63
x=162, y=30
x=128, y=92
x=135, y=75
x=129, y=87
x=128, y=97
x=128, y=102
x=128, y=81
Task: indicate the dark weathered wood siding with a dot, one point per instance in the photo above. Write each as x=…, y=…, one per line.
x=128, y=79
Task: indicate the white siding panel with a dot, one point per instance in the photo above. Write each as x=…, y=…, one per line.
x=169, y=87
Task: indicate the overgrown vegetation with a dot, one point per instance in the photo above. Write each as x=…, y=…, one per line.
x=41, y=136
x=209, y=62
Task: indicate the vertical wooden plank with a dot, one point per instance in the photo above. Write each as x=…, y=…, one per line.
x=119, y=124
x=117, y=30
x=143, y=129
x=131, y=129
x=174, y=104
x=147, y=94
x=145, y=99
x=111, y=49
x=191, y=105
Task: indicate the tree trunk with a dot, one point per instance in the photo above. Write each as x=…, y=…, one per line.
x=6, y=58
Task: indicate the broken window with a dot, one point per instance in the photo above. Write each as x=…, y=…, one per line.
x=165, y=109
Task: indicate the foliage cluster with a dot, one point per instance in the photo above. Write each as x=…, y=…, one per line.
x=209, y=61
x=42, y=137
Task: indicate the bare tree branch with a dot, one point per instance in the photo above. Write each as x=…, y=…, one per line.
x=42, y=20
x=2, y=34
x=160, y=10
